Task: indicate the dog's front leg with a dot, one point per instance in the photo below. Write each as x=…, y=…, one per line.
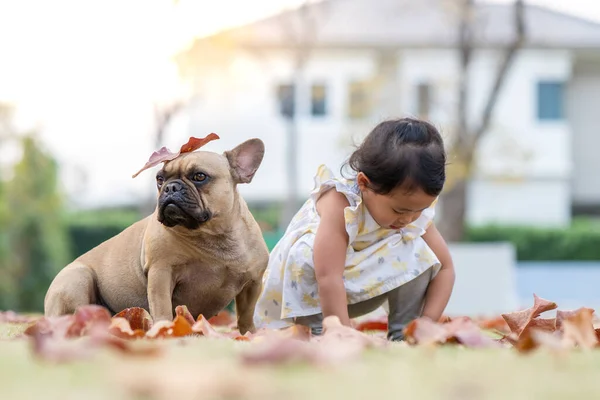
x=245, y=303
x=160, y=292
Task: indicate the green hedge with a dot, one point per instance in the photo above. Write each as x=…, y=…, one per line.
x=581, y=242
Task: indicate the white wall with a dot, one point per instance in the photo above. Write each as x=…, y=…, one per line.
x=242, y=104
x=584, y=93
x=534, y=156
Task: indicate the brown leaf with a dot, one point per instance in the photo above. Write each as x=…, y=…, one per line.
x=223, y=318
x=120, y=327
x=520, y=320
x=579, y=330
x=165, y=155
x=88, y=317
x=338, y=344
x=185, y=313
x=562, y=315
x=424, y=331
x=497, y=323
x=160, y=329
x=138, y=318
x=181, y=327
x=205, y=328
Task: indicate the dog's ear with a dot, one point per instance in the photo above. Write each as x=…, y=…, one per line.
x=245, y=159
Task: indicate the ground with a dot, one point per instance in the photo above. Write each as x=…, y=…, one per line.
x=199, y=367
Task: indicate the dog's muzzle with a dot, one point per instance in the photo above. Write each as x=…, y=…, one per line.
x=177, y=207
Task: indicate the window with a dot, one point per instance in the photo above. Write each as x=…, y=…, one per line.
x=318, y=100
x=550, y=99
x=423, y=100
x=359, y=100
x=286, y=99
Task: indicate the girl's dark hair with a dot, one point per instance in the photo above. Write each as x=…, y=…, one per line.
x=402, y=152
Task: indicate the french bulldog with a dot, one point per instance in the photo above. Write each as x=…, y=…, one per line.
x=201, y=247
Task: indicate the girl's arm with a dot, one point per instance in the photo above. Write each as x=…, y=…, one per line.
x=329, y=253
x=440, y=288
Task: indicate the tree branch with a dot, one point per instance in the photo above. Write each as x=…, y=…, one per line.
x=509, y=55
x=465, y=52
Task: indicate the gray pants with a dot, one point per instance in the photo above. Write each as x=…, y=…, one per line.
x=405, y=304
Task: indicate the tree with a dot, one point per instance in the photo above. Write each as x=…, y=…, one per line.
x=453, y=202
x=34, y=228
x=301, y=35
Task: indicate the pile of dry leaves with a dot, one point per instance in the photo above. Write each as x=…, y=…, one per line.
x=133, y=332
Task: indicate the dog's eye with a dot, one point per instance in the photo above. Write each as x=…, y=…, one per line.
x=199, y=177
x=160, y=180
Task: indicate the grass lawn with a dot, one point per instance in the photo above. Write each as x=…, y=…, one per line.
x=202, y=367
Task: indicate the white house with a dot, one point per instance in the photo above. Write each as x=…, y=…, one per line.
x=367, y=61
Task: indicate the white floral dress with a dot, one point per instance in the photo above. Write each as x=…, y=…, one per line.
x=377, y=259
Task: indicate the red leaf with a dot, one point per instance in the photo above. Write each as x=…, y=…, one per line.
x=223, y=318
x=185, y=313
x=373, y=325
x=520, y=320
x=165, y=155
x=195, y=143
x=137, y=317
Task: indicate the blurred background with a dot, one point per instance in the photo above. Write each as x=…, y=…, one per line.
x=88, y=90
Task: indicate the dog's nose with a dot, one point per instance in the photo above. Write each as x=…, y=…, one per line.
x=173, y=187
x=204, y=216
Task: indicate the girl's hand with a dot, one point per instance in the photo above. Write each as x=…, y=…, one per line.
x=329, y=253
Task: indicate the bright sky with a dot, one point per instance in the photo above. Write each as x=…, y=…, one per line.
x=86, y=72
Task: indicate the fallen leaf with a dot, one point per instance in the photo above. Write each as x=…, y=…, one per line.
x=578, y=329
x=337, y=344
x=223, y=318
x=520, y=320
x=424, y=331
x=185, y=313
x=137, y=317
x=562, y=315
x=120, y=327
x=88, y=317
x=373, y=325
x=165, y=155
x=160, y=329
x=181, y=327
x=498, y=324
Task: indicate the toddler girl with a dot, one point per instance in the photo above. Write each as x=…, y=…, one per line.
x=359, y=242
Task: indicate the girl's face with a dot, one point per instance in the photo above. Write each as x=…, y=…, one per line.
x=396, y=209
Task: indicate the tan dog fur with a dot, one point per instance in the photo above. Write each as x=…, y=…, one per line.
x=156, y=267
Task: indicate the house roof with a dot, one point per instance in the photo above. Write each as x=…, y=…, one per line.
x=423, y=23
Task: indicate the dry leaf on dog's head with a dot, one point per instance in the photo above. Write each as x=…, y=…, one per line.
x=164, y=154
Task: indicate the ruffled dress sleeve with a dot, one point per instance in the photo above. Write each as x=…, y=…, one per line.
x=324, y=181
